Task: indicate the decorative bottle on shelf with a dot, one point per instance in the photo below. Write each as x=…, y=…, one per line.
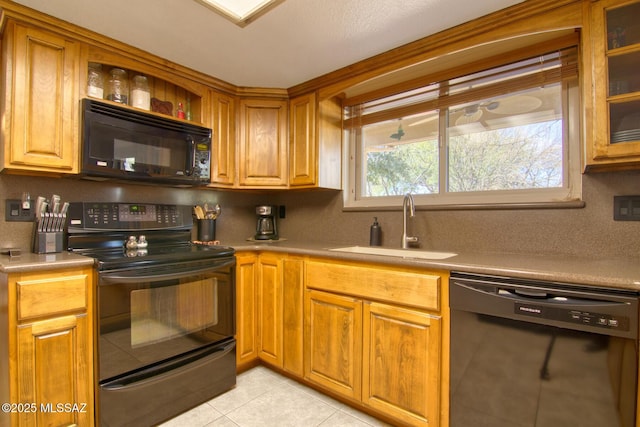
x=140, y=96
x=180, y=112
x=118, y=88
x=188, y=107
x=95, y=81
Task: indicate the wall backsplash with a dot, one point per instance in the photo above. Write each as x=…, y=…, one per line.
x=317, y=216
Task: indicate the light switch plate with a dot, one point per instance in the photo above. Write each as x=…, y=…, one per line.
x=626, y=208
x=13, y=211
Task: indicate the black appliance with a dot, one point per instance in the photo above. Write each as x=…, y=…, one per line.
x=120, y=142
x=266, y=228
x=540, y=354
x=165, y=310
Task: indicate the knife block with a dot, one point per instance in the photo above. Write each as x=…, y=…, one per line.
x=47, y=242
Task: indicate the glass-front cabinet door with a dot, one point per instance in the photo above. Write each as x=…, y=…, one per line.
x=615, y=33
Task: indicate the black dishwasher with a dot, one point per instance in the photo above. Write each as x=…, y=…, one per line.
x=541, y=354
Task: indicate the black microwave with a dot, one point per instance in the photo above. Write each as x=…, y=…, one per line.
x=123, y=143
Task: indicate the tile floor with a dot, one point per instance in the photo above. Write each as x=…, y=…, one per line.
x=264, y=398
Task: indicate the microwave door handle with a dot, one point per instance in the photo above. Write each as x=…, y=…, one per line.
x=191, y=157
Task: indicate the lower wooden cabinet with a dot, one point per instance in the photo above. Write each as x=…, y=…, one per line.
x=53, y=354
x=333, y=342
x=375, y=335
x=246, y=309
x=401, y=366
x=292, y=315
x=270, y=309
x=269, y=290
x=49, y=325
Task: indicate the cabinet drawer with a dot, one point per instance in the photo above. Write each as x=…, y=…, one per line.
x=51, y=296
x=405, y=287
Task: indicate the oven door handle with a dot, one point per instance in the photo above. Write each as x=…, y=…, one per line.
x=156, y=373
x=152, y=274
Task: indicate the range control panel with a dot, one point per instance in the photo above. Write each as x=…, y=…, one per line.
x=128, y=216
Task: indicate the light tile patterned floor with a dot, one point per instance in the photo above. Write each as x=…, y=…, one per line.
x=264, y=398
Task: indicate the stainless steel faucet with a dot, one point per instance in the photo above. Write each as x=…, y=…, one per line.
x=408, y=200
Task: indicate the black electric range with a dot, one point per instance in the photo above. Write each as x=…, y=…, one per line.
x=161, y=234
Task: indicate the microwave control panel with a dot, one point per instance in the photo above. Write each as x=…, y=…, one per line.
x=128, y=216
x=203, y=162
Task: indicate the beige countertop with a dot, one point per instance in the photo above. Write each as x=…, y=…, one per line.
x=610, y=273
x=28, y=261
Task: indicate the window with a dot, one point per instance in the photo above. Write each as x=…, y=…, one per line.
x=506, y=135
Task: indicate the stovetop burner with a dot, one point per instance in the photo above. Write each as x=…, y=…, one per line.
x=101, y=230
x=118, y=258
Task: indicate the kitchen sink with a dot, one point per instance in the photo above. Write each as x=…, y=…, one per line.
x=403, y=253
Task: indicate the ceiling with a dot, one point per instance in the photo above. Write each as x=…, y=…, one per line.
x=295, y=42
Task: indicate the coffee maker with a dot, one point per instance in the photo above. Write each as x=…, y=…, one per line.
x=266, y=228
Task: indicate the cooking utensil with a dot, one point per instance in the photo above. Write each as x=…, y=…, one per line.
x=198, y=212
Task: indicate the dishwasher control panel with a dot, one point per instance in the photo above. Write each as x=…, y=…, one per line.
x=587, y=318
x=604, y=311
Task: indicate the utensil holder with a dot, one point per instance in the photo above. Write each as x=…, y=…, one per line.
x=206, y=230
x=47, y=242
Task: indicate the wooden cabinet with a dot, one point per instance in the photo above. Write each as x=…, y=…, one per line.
x=223, y=150
x=40, y=73
x=292, y=315
x=44, y=76
x=401, y=363
x=333, y=342
x=49, y=324
x=315, y=133
x=615, y=84
x=263, y=146
x=270, y=309
x=374, y=335
x=302, y=140
x=246, y=309
x=165, y=85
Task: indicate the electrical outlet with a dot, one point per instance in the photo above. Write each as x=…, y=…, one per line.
x=13, y=211
x=626, y=208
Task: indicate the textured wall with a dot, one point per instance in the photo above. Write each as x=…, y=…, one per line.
x=318, y=216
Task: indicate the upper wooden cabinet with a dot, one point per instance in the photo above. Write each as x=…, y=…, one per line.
x=167, y=87
x=40, y=74
x=302, y=140
x=615, y=84
x=263, y=148
x=223, y=147
x=315, y=142
x=45, y=66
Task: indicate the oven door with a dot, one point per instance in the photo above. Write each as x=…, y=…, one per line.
x=148, y=315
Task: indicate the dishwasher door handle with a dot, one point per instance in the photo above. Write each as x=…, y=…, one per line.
x=538, y=296
x=553, y=300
